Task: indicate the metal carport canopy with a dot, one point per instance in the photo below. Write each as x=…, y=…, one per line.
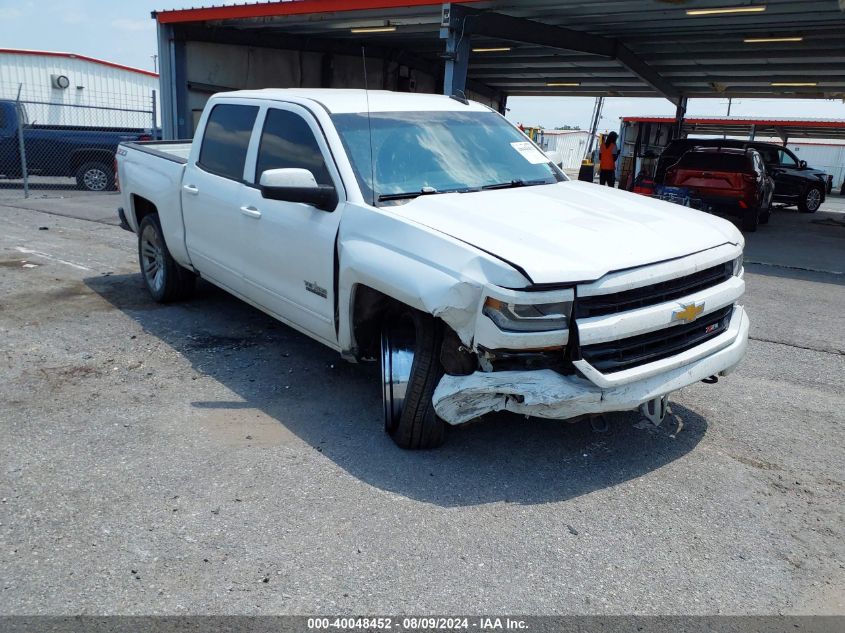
x=744, y=126
x=622, y=48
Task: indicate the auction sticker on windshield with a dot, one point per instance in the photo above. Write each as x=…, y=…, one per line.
x=530, y=153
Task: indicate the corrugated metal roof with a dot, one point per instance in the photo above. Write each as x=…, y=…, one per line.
x=742, y=125
x=695, y=56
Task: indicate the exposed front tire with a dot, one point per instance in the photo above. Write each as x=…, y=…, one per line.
x=410, y=371
x=165, y=279
x=95, y=176
x=811, y=200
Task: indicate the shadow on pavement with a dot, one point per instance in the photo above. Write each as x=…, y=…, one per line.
x=335, y=407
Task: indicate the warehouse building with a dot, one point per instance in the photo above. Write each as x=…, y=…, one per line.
x=65, y=89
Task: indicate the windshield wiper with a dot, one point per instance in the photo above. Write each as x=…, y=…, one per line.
x=516, y=183
x=407, y=195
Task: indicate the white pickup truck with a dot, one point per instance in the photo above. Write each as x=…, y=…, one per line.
x=431, y=234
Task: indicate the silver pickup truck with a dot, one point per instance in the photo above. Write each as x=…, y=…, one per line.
x=431, y=234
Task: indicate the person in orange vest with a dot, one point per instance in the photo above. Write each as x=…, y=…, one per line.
x=607, y=160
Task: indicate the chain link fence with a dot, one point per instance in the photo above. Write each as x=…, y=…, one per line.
x=69, y=144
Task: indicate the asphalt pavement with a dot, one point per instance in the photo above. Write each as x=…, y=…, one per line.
x=202, y=458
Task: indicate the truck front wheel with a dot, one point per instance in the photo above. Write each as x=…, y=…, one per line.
x=165, y=279
x=410, y=371
x=811, y=200
x=95, y=176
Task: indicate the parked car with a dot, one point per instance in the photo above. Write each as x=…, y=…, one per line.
x=726, y=179
x=77, y=152
x=432, y=234
x=796, y=184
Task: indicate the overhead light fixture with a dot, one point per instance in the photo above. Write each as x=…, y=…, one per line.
x=500, y=49
x=563, y=84
x=794, y=84
x=374, y=29
x=766, y=40
x=725, y=10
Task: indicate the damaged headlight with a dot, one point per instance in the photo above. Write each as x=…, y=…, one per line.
x=533, y=317
x=737, y=265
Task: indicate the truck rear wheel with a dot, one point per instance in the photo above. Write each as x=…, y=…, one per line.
x=410, y=371
x=95, y=176
x=750, y=219
x=165, y=279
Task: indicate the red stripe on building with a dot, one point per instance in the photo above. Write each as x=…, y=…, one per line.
x=292, y=7
x=102, y=62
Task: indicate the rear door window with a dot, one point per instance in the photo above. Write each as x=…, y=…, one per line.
x=769, y=154
x=226, y=139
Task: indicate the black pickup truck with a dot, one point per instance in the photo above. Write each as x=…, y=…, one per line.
x=78, y=152
x=795, y=183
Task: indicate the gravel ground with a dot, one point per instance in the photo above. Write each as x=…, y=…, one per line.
x=201, y=458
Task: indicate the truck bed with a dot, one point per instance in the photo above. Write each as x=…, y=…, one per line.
x=151, y=177
x=171, y=150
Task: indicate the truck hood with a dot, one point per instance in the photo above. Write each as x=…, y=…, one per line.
x=571, y=231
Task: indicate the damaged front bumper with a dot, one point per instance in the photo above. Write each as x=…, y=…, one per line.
x=548, y=394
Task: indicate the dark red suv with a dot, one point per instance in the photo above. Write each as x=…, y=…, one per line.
x=728, y=179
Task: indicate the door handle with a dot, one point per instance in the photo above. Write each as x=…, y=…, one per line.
x=251, y=212
x=191, y=189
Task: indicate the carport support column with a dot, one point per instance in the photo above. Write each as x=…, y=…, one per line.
x=175, y=115
x=168, y=97
x=458, y=49
x=680, y=113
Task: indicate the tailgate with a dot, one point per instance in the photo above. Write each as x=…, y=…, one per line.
x=710, y=180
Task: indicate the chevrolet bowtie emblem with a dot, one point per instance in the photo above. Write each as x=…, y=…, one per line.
x=689, y=312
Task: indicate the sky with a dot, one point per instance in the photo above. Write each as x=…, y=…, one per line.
x=122, y=31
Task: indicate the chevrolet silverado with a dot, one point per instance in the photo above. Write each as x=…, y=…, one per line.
x=429, y=233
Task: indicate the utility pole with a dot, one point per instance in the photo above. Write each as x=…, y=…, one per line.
x=597, y=108
x=155, y=63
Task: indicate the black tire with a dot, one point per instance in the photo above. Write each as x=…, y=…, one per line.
x=811, y=200
x=95, y=176
x=750, y=219
x=409, y=417
x=175, y=282
x=765, y=214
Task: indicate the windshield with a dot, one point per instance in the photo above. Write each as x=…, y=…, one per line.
x=422, y=153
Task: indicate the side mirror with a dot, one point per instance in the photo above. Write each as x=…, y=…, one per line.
x=555, y=157
x=297, y=185
x=802, y=164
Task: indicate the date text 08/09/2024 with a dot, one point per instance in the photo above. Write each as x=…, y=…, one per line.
x=416, y=623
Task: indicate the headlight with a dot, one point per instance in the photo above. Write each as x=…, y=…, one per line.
x=738, y=265
x=529, y=317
